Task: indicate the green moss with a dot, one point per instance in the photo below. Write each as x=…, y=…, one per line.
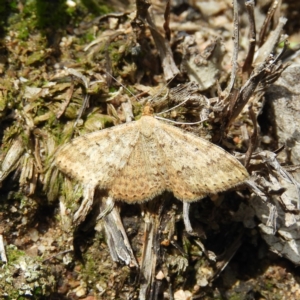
x=97, y=7
x=58, y=17
x=35, y=16
x=35, y=57
x=269, y=285
x=3, y=103
x=137, y=109
x=6, y=8
x=237, y=297
x=13, y=253
x=96, y=121
x=25, y=22
x=87, y=38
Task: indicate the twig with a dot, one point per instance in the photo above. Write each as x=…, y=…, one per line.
x=277, y=12
x=57, y=254
x=162, y=44
x=108, y=64
x=236, y=46
x=267, y=48
x=167, y=21
x=149, y=255
x=266, y=23
x=254, y=137
x=245, y=93
x=249, y=59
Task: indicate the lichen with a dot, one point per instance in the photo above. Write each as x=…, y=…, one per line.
x=24, y=276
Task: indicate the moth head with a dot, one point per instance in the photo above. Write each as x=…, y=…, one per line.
x=148, y=110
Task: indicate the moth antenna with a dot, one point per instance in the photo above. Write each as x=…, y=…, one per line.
x=121, y=84
x=178, y=105
x=82, y=109
x=173, y=107
x=160, y=91
x=180, y=123
x=160, y=118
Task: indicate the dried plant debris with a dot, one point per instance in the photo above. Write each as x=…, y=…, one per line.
x=60, y=87
x=275, y=202
x=203, y=68
x=143, y=19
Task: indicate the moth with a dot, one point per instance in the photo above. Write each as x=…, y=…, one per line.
x=137, y=161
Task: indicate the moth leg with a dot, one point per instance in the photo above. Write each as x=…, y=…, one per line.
x=86, y=204
x=107, y=206
x=186, y=218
